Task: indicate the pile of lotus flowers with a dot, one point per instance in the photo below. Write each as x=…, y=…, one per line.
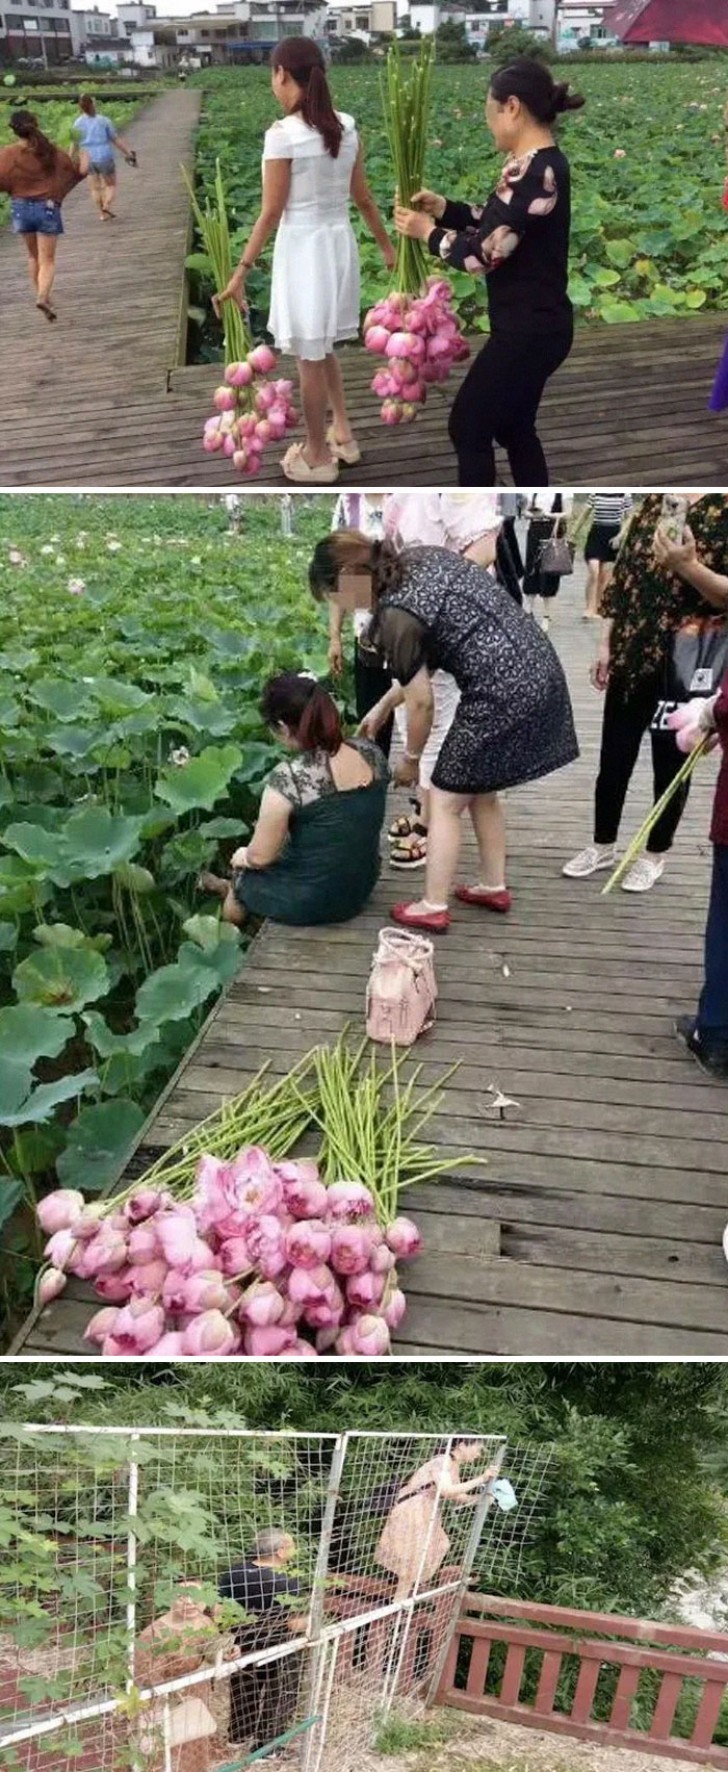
x=251, y=411
x=263, y=1259
x=420, y=339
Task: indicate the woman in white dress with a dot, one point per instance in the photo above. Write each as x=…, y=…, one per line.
x=414, y=1544
x=312, y=169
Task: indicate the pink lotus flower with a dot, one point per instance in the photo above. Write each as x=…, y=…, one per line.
x=308, y=1243
x=266, y=1245
x=224, y=399
x=382, y=1259
x=142, y=1204
x=169, y=1347
x=148, y=1279
x=59, y=1210
x=326, y=1312
x=210, y=1333
x=115, y=1288
x=61, y=1248
x=366, y=1337
x=403, y=1238
x=350, y=1202
x=51, y=1283
x=303, y=1191
x=190, y=1294
x=376, y=339
x=262, y=1305
x=261, y=359
x=234, y=1257
x=391, y=412
x=89, y=1223
x=176, y=1233
x=263, y=1343
x=394, y=1307
x=143, y=1245
x=106, y=1253
x=100, y=1325
x=138, y=1326
x=350, y=1249
x=229, y=1194
x=299, y=1350
x=306, y=1285
x=365, y=1291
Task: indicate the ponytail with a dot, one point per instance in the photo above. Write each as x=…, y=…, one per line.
x=301, y=58
x=25, y=126
x=299, y=702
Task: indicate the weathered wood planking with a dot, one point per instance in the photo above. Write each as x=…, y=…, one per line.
x=79, y=397
x=596, y=1225
x=629, y=408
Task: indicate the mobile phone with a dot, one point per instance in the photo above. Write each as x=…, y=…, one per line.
x=674, y=515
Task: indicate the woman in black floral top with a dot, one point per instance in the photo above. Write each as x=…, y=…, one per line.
x=519, y=241
x=657, y=585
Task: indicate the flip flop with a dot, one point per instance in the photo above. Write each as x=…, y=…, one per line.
x=346, y=452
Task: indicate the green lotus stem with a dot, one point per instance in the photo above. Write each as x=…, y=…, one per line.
x=214, y=230
x=406, y=104
x=645, y=831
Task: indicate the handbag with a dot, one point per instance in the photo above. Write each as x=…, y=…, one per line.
x=402, y=989
x=557, y=554
x=696, y=664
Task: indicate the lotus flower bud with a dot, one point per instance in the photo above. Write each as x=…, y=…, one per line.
x=224, y=399
x=261, y=359
x=366, y=1290
x=376, y=339
x=303, y=1191
x=350, y=1202
x=138, y=1326
x=59, y=1210
x=262, y=1305
x=366, y=1337
x=308, y=1243
x=394, y=1307
x=350, y=1249
x=143, y=1245
x=391, y=412
x=90, y=1222
x=50, y=1284
x=115, y=1288
x=208, y=1334
x=61, y=1247
x=169, y=1347
x=148, y=1278
x=100, y=1325
x=403, y=1238
x=142, y=1204
x=106, y=1253
x=265, y=1343
x=235, y=1256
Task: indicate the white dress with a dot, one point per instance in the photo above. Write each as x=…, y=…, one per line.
x=315, y=297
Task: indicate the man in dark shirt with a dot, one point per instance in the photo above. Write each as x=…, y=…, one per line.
x=263, y=1699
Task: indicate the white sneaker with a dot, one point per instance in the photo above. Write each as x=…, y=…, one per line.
x=545, y=624
x=644, y=873
x=590, y=861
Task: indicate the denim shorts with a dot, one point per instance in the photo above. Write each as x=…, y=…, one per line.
x=103, y=168
x=36, y=215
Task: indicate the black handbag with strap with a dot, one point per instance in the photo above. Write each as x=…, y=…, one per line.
x=696, y=664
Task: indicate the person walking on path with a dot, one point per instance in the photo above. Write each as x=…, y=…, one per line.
x=36, y=176
x=99, y=136
x=705, y=1034
x=519, y=241
x=657, y=585
x=609, y=513
x=548, y=514
x=313, y=169
x=434, y=610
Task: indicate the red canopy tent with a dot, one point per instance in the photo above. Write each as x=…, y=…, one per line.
x=671, y=21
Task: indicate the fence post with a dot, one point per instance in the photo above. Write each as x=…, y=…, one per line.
x=484, y=1503
x=131, y=1562
x=316, y=1613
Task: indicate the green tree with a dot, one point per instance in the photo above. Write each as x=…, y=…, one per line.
x=509, y=41
x=452, y=42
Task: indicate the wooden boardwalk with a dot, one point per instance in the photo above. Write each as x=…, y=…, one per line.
x=596, y=1227
x=77, y=396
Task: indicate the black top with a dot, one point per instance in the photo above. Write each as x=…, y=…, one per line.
x=519, y=240
x=258, y=1588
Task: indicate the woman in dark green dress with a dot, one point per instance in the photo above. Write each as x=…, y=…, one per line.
x=314, y=854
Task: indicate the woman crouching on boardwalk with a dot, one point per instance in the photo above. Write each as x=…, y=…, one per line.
x=434, y=610
x=36, y=176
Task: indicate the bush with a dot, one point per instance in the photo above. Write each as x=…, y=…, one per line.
x=511, y=41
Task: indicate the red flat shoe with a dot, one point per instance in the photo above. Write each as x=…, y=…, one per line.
x=437, y=922
x=488, y=901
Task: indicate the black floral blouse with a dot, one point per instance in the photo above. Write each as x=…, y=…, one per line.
x=644, y=602
x=522, y=234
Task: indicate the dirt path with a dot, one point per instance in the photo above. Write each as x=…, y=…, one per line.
x=465, y=1744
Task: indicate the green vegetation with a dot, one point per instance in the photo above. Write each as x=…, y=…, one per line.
x=116, y=786
x=649, y=233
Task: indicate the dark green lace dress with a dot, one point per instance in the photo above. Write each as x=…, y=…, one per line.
x=330, y=864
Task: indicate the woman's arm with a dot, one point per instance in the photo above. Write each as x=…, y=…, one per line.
x=381, y=712
x=362, y=197
x=419, y=703
x=276, y=190
x=682, y=558
x=270, y=833
x=524, y=197
x=336, y=650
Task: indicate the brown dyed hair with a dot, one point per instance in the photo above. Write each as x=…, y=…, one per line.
x=25, y=126
x=301, y=704
x=348, y=550
x=302, y=59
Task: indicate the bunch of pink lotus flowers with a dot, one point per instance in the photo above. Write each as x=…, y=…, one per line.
x=250, y=411
x=420, y=338
x=263, y=1259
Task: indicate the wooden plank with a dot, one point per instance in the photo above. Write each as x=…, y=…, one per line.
x=595, y=1220
x=548, y=1682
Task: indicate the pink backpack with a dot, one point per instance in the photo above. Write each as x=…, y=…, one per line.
x=402, y=989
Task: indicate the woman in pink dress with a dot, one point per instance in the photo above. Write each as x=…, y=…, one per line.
x=414, y=1543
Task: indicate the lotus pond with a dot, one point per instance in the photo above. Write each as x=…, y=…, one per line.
x=135, y=634
x=649, y=232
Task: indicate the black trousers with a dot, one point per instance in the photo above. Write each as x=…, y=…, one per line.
x=627, y=717
x=371, y=682
x=499, y=401
x=263, y=1701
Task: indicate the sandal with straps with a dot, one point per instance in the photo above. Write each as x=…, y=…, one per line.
x=409, y=855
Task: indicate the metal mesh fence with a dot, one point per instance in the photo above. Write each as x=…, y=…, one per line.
x=187, y=1601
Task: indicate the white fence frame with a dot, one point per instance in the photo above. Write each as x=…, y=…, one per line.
x=322, y=1638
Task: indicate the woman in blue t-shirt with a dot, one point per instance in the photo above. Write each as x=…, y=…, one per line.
x=99, y=137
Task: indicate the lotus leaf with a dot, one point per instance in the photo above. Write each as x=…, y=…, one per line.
x=65, y=978
x=99, y=1142
x=29, y=1032
x=203, y=781
x=41, y=1101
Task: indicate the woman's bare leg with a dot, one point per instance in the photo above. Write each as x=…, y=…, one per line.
x=489, y=824
x=108, y=192
x=443, y=847
x=31, y=247
x=46, y=267
x=337, y=399
x=592, y=589
x=95, y=185
x=314, y=403
x=232, y=911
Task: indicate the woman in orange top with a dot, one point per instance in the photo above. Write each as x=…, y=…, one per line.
x=37, y=176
